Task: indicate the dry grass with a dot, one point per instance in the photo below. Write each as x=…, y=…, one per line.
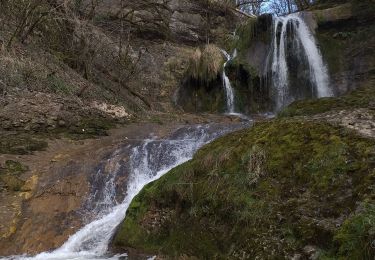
x=205, y=64
x=19, y=72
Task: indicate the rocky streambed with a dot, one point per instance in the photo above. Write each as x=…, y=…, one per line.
x=72, y=183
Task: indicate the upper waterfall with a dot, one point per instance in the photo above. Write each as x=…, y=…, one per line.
x=292, y=39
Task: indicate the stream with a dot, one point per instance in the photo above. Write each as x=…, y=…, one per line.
x=149, y=160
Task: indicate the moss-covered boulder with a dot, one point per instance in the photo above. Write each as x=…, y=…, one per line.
x=283, y=189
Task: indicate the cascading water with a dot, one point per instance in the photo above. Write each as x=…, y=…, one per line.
x=304, y=46
x=149, y=160
x=228, y=87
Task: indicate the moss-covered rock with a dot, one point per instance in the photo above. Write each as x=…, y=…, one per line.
x=363, y=97
x=253, y=29
x=10, y=175
x=345, y=34
x=20, y=143
x=250, y=95
x=86, y=128
x=268, y=192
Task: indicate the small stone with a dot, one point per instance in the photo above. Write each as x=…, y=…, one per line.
x=297, y=257
x=61, y=123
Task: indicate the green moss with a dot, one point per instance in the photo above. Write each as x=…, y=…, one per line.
x=20, y=143
x=9, y=175
x=253, y=29
x=90, y=127
x=332, y=51
x=14, y=167
x=11, y=182
x=261, y=192
x=356, y=237
x=246, y=33
x=251, y=96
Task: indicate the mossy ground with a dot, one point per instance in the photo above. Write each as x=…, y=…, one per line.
x=264, y=192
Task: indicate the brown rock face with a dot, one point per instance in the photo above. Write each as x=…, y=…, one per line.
x=57, y=197
x=54, y=201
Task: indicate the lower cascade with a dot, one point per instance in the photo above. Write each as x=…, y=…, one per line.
x=227, y=86
x=149, y=160
x=293, y=44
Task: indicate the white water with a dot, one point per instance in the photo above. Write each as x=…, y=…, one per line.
x=279, y=66
x=227, y=86
x=149, y=161
x=318, y=71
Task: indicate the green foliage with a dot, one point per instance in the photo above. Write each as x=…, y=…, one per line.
x=254, y=29
x=258, y=193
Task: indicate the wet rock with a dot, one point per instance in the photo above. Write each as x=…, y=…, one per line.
x=311, y=252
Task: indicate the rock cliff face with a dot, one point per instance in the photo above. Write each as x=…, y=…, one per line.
x=344, y=35
x=160, y=37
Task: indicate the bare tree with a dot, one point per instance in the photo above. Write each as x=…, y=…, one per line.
x=283, y=7
x=251, y=6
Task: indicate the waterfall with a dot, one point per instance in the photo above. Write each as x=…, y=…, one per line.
x=304, y=46
x=149, y=160
x=227, y=86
